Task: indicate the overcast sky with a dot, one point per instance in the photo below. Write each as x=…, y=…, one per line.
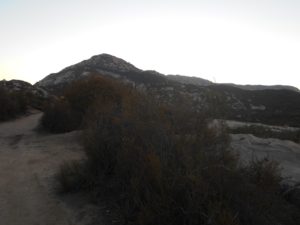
x=238, y=41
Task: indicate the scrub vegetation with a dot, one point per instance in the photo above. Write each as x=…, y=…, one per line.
x=12, y=104
x=162, y=164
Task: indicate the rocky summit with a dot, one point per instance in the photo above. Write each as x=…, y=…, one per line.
x=278, y=105
x=22, y=86
x=104, y=64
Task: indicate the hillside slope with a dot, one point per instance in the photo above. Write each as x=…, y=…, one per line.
x=278, y=105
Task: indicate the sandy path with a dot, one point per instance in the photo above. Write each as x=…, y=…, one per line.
x=28, y=161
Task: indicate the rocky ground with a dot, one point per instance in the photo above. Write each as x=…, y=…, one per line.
x=286, y=152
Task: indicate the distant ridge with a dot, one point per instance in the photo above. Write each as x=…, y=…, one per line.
x=104, y=64
x=274, y=105
x=115, y=67
x=189, y=80
x=23, y=86
x=263, y=87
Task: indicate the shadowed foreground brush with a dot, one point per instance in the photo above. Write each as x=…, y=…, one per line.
x=12, y=104
x=164, y=165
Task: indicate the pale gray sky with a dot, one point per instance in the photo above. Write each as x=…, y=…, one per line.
x=246, y=42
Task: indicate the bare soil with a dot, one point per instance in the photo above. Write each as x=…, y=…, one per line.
x=28, y=163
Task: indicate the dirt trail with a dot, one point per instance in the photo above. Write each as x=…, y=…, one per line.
x=28, y=161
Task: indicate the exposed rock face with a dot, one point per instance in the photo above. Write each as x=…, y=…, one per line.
x=115, y=67
x=287, y=153
x=272, y=106
x=109, y=63
x=190, y=80
x=264, y=87
x=22, y=86
x=101, y=64
x=15, y=85
x=202, y=82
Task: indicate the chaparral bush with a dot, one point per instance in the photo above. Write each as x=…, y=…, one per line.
x=12, y=104
x=165, y=165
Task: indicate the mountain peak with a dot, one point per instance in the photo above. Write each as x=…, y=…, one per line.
x=109, y=63
x=104, y=64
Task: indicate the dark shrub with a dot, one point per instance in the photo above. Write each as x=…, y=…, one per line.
x=164, y=165
x=71, y=177
x=82, y=94
x=12, y=104
x=59, y=117
x=67, y=113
